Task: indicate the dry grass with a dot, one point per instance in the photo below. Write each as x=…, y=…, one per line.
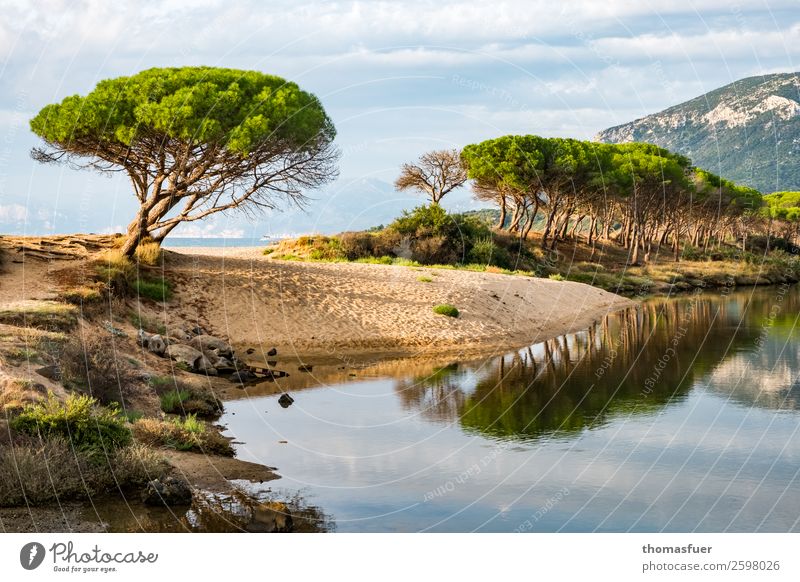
x=37, y=471
x=148, y=253
x=15, y=393
x=187, y=434
x=91, y=364
x=46, y=315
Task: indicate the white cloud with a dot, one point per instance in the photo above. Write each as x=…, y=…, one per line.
x=13, y=213
x=207, y=230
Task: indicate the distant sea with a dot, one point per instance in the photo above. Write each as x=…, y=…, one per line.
x=216, y=242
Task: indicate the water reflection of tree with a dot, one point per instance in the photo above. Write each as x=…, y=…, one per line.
x=632, y=362
x=439, y=395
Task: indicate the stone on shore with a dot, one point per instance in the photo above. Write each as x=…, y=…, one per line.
x=168, y=491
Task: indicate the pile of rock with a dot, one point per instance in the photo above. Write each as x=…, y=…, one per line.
x=195, y=350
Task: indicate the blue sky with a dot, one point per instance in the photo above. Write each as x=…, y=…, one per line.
x=398, y=78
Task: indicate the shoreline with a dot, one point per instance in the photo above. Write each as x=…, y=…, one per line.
x=341, y=310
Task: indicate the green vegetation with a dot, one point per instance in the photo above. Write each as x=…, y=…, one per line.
x=424, y=279
x=172, y=402
x=425, y=236
x=608, y=191
x=182, y=434
x=80, y=420
x=178, y=397
x=556, y=277
x=155, y=289
x=446, y=309
x=254, y=133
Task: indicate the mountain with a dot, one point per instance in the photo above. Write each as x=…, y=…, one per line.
x=748, y=131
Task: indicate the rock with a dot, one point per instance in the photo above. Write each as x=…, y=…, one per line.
x=184, y=354
x=206, y=366
x=270, y=517
x=285, y=401
x=224, y=366
x=272, y=352
x=197, y=331
x=305, y=367
x=206, y=342
x=142, y=337
x=157, y=345
x=178, y=335
x=168, y=491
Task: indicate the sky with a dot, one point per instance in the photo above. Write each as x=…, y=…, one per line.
x=397, y=78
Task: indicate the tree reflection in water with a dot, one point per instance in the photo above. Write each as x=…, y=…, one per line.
x=632, y=362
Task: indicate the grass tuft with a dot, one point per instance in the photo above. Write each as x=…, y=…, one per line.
x=446, y=309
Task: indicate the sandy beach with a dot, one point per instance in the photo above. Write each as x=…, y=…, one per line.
x=338, y=308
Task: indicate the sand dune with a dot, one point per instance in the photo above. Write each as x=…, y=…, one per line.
x=338, y=308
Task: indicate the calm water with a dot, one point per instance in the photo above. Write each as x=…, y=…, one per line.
x=214, y=242
x=678, y=415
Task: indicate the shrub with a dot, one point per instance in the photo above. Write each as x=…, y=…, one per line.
x=355, y=245
x=86, y=425
x=172, y=402
x=155, y=289
x=436, y=249
x=90, y=365
x=38, y=471
x=556, y=277
x=188, y=434
x=446, y=309
x=423, y=279
x=178, y=397
x=483, y=251
x=432, y=218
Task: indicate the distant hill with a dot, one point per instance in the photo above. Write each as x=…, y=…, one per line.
x=748, y=131
x=356, y=204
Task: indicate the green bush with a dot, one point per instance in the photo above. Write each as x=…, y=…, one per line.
x=423, y=279
x=556, y=277
x=433, y=219
x=79, y=419
x=155, y=289
x=172, y=402
x=179, y=397
x=446, y=309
